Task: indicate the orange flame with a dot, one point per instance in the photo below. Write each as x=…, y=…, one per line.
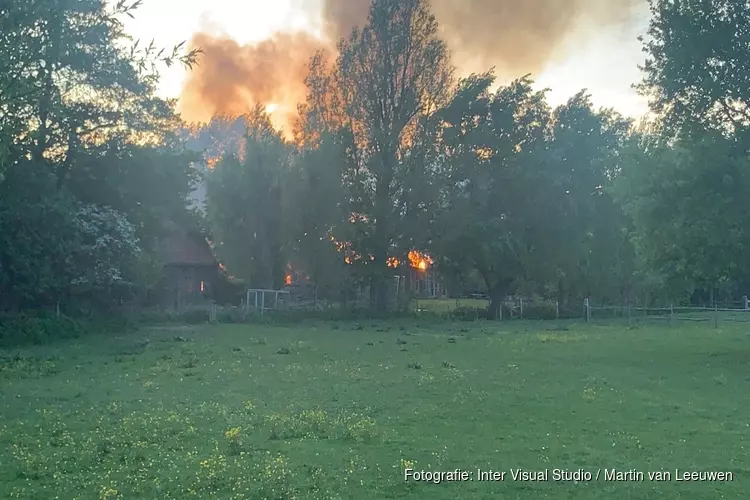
x=419, y=260
x=211, y=162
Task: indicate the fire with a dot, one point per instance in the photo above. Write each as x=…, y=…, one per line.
x=211, y=162
x=419, y=260
x=416, y=259
x=288, y=274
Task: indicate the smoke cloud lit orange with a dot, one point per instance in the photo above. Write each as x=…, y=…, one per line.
x=232, y=78
x=515, y=36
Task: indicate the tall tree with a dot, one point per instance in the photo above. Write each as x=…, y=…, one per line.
x=496, y=212
x=686, y=184
x=318, y=204
x=244, y=205
x=594, y=256
x=390, y=74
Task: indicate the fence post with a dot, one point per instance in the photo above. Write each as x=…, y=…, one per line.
x=671, y=313
x=630, y=322
x=746, y=302
x=716, y=315
x=262, y=301
x=520, y=310
x=587, y=309
x=557, y=309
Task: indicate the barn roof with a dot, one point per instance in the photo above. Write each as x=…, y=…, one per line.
x=186, y=248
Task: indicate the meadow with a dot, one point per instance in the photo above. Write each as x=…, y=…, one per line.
x=338, y=410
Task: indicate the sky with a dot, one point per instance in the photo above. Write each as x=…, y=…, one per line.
x=606, y=64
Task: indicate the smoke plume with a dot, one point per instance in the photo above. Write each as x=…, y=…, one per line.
x=522, y=36
x=232, y=78
x=515, y=36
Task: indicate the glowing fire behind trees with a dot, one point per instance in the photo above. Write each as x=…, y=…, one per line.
x=416, y=259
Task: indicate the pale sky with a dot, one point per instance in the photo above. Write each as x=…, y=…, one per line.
x=606, y=65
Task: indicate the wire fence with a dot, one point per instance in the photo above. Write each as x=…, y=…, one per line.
x=734, y=311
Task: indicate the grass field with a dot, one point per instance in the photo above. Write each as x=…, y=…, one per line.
x=339, y=410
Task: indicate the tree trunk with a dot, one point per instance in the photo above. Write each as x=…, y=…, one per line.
x=497, y=294
x=496, y=303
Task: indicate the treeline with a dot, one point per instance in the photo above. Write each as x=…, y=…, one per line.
x=506, y=193
x=392, y=153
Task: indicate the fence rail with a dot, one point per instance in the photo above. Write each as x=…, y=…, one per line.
x=672, y=313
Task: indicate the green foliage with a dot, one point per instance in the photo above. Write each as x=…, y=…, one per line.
x=37, y=239
x=505, y=193
x=527, y=203
x=684, y=179
x=684, y=201
x=89, y=166
x=38, y=328
x=323, y=218
x=389, y=77
x=695, y=71
x=244, y=205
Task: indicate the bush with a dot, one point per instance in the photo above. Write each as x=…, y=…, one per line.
x=539, y=311
x=38, y=328
x=232, y=314
x=192, y=316
x=465, y=313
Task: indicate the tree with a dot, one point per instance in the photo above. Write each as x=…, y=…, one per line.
x=77, y=106
x=496, y=216
x=389, y=75
x=69, y=83
x=317, y=201
x=150, y=185
x=684, y=183
x=244, y=205
x=54, y=248
x=685, y=200
x=593, y=255
x=698, y=52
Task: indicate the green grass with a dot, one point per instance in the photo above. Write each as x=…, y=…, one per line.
x=338, y=410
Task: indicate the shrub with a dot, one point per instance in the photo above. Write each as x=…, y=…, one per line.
x=38, y=328
x=465, y=313
x=539, y=311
